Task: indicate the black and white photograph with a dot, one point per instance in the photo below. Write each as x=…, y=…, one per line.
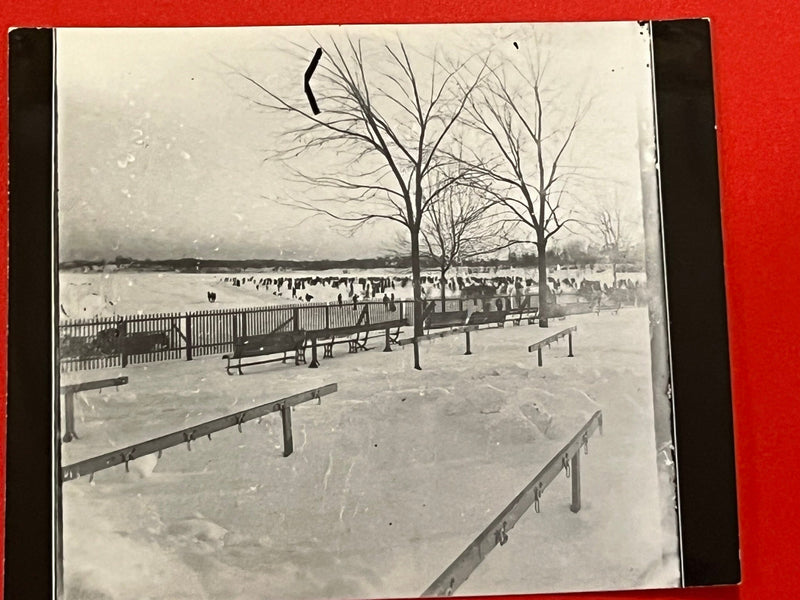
x=364, y=311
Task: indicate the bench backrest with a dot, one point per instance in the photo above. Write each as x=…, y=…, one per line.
x=445, y=319
x=256, y=345
x=482, y=318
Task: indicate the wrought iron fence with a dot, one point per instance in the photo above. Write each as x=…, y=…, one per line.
x=104, y=342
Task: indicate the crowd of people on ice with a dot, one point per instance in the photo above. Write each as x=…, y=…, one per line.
x=347, y=289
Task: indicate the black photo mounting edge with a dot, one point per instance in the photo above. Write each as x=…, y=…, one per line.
x=698, y=331
x=31, y=447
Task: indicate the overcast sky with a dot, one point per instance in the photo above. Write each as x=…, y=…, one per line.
x=162, y=155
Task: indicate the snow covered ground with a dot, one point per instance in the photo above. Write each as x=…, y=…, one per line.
x=391, y=477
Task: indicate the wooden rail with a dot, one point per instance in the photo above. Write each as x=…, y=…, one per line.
x=553, y=338
x=465, y=329
x=69, y=392
x=568, y=460
x=190, y=434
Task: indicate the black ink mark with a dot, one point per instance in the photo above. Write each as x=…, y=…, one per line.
x=516, y=45
x=307, y=78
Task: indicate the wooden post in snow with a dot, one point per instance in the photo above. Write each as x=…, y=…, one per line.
x=286, y=418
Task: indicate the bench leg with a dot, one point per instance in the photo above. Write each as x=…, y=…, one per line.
x=314, y=362
x=69, y=418
x=363, y=345
x=570, y=355
x=387, y=347
x=286, y=419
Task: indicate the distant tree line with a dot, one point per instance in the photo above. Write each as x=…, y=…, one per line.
x=575, y=252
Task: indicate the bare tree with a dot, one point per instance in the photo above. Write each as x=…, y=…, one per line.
x=610, y=228
x=388, y=125
x=519, y=115
x=460, y=225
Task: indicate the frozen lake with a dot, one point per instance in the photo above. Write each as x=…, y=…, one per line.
x=87, y=295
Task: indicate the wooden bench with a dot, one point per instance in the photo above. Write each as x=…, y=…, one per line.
x=355, y=336
x=263, y=345
x=441, y=320
x=517, y=314
x=495, y=317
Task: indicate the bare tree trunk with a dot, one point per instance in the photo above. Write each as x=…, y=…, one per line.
x=443, y=282
x=416, y=277
x=544, y=290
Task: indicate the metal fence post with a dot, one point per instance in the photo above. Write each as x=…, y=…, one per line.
x=296, y=319
x=469, y=350
x=188, y=337
x=539, y=354
x=122, y=334
x=570, y=355
x=576, y=482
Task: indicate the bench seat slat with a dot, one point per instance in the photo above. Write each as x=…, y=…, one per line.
x=485, y=318
x=446, y=319
x=264, y=345
x=354, y=329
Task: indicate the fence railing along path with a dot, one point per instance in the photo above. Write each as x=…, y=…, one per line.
x=69, y=392
x=119, y=341
x=497, y=532
x=552, y=339
x=465, y=329
x=190, y=434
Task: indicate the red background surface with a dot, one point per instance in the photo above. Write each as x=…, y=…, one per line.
x=756, y=51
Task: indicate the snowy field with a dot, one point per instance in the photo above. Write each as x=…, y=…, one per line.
x=390, y=479
x=87, y=295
